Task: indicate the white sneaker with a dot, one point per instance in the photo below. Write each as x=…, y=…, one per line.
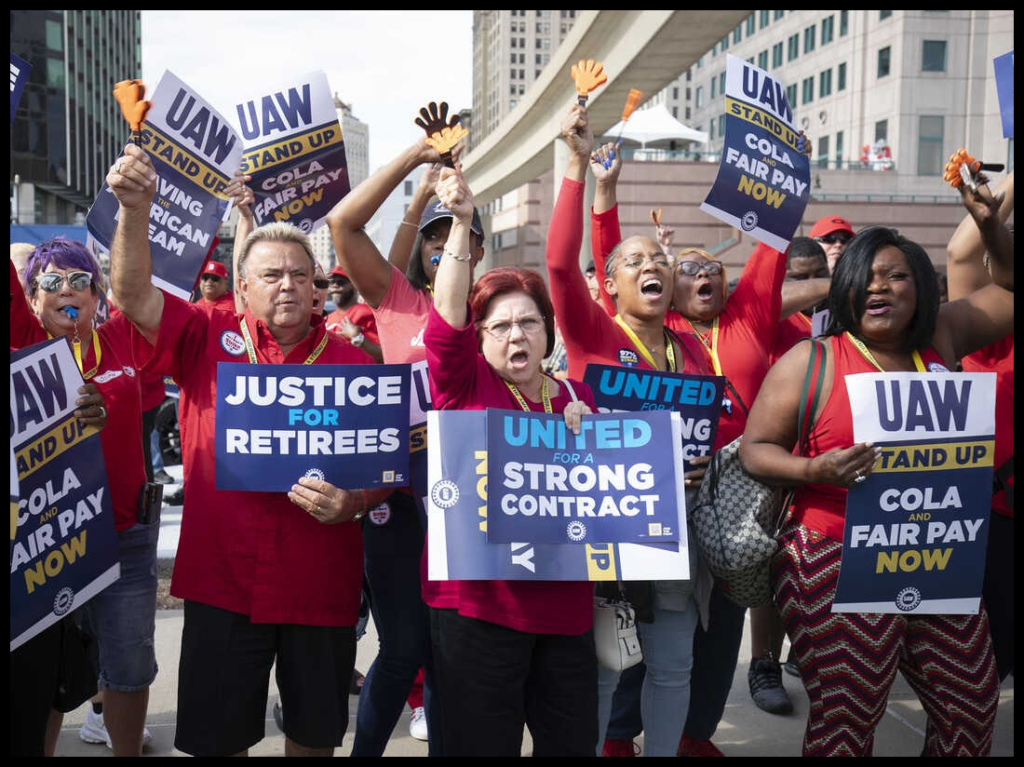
x=95, y=731
x=418, y=723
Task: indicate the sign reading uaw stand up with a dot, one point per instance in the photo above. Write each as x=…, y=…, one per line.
x=763, y=183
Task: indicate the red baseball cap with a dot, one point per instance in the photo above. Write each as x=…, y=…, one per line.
x=215, y=268
x=339, y=272
x=828, y=224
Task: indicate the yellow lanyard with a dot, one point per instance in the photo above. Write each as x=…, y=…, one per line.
x=96, y=352
x=713, y=349
x=670, y=353
x=918, y=362
x=545, y=398
x=251, y=349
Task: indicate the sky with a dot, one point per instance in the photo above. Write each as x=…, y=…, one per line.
x=384, y=64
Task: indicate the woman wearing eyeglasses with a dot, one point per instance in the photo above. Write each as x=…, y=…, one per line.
x=511, y=653
x=61, y=278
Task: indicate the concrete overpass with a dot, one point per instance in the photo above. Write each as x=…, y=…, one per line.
x=639, y=49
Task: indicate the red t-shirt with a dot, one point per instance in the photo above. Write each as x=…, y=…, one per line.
x=252, y=553
x=791, y=330
x=823, y=507
x=998, y=358
x=589, y=333
x=461, y=379
x=359, y=315
x=119, y=382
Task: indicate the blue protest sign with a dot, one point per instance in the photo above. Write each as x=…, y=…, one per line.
x=1004, y=88
x=295, y=152
x=195, y=153
x=697, y=399
x=614, y=482
x=763, y=182
x=916, y=530
x=419, y=406
x=63, y=543
x=347, y=424
x=19, y=76
x=458, y=548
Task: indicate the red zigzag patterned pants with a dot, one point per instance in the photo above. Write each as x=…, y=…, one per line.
x=848, y=661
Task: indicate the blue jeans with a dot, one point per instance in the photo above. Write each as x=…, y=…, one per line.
x=665, y=695
x=393, y=547
x=122, y=617
x=625, y=722
x=715, y=653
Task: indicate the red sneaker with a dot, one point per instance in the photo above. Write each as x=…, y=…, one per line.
x=619, y=747
x=690, y=747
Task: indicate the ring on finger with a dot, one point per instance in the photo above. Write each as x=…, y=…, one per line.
x=117, y=167
x=103, y=411
x=859, y=478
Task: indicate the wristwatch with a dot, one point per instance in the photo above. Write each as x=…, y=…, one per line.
x=358, y=340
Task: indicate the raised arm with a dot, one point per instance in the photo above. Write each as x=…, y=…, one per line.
x=454, y=273
x=243, y=200
x=133, y=182
x=798, y=295
x=358, y=256
x=405, y=237
x=965, y=268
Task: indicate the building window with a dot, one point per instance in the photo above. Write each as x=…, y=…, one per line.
x=883, y=15
x=791, y=96
x=779, y=15
x=699, y=100
x=711, y=131
x=721, y=83
x=827, y=30
x=751, y=21
x=714, y=87
x=408, y=188
x=776, y=55
x=882, y=130
x=675, y=112
x=930, y=157
x=844, y=23
x=884, y=61
x=763, y=21
x=823, y=152
x=841, y=77
x=724, y=44
x=54, y=36
x=933, y=56
x=825, y=84
x=793, y=47
x=810, y=35
x=737, y=34
x=721, y=125
x=675, y=93
x=808, y=90
x=762, y=59
x=839, y=149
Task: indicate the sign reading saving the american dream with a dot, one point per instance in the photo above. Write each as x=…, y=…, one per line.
x=63, y=543
x=294, y=151
x=763, y=183
x=346, y=424
x=916, y=530
x=697, y=399
x=614, y=482
x=459, y=512
x=195, y=153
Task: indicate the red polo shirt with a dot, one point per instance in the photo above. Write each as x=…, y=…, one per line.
x=252, y=553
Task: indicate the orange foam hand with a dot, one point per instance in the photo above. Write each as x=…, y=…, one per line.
x=442, y=134
x=129, y=94
x=444, y=140
x=589, y=76
x=952, y=170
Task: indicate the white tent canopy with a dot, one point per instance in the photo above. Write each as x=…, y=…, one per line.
x=655, y=124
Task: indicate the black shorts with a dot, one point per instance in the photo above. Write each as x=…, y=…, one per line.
x=224, y=679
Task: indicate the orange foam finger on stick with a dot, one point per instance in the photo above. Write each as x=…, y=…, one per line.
x=656, y=216
x=589, y=76
x=631, y=102
x=442, y=134
x=129, y=94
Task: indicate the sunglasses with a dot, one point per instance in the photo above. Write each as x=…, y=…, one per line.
x=693, y=268
x=832, y=239
x=214, y=277
x=51, y=281
x=321, y=284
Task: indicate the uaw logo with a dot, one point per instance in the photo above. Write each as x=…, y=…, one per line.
x=908, y=599
x=315, y=474
x=63, y=601
x=749, y=221
x=444, y=494
x=576, y=531
x=937, y=367
x=629, y=358
x=232, y=343
x=379, y=515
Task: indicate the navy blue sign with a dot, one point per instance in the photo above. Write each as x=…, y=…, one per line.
x=346, y=424
x=1004, y=89
x=19, y=76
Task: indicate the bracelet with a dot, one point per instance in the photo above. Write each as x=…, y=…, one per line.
x=464, y=258
x=408, y=223
x=366, y=507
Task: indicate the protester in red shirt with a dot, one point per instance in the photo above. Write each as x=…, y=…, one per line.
x=214, y=288
x=266, y=577
x=352, y=318
x=539, y=667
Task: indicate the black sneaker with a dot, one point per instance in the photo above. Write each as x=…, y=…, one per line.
x=177, y=498
x=765, y=680
x=163, y=477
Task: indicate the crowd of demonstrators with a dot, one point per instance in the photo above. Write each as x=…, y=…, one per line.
x=885, y=315
x=401, y=595
x=967, y=271
x=61, y=279
x=638, y=278
x=506, y=653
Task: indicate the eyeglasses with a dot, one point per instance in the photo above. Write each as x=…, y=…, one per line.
x=529, y=326
x=339, y=281
x=693, y=268
x=836, y=237
x=51, y=281
x=214, y=277
x=636, y=262
x=321, y=284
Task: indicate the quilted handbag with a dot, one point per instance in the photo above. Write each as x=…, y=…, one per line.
x=737, y=517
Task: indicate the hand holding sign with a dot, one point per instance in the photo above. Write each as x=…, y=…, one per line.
x=442, y=134
x=129, y=94
x=589, y=76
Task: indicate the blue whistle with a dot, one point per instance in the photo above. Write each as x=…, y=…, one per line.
x=435, y=260
x=71, y=312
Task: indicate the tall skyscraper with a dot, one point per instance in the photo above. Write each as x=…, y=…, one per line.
x=68, y=128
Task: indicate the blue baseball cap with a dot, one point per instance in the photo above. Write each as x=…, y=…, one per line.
x=436, y=211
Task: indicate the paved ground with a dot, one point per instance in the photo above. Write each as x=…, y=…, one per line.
x=744, y=731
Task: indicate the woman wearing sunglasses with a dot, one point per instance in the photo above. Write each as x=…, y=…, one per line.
x=61, y=279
